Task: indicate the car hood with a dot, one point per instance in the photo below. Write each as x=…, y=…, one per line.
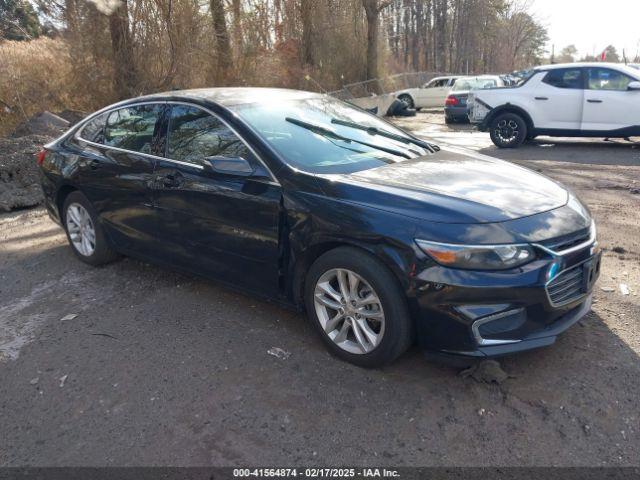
x=453, y=186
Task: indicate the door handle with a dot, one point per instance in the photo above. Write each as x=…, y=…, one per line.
x=542, y=98
x=94, y=164
x=592, y=100
x=172, y=180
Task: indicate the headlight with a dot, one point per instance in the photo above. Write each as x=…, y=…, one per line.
x=478, y=257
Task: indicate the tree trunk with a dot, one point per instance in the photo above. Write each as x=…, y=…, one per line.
x=125, y=75
x=306, y=15
x=372, y=10
x=224, y=63
x=237, y=28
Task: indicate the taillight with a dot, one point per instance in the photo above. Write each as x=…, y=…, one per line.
x=41, y=156
x=451, y=101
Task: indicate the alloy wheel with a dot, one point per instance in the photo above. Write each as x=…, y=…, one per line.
x=349, y=310
x=81, y=230
x=507, y=131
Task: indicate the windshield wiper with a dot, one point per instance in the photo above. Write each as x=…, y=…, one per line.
x=330, y=133
x=383, y=133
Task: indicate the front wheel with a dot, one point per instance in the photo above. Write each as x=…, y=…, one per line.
x=358, y=308
x=508, y=130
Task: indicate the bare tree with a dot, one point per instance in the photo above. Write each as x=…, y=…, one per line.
x=372, y=10
x=223, y=50
x=306, y=15
x=125, y=72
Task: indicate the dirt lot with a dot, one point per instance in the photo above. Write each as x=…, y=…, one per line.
x=161, y=369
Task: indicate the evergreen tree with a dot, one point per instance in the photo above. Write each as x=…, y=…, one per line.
x=18, y=20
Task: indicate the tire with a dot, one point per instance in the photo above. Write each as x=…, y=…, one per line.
x=508, y=130
x=77, y=210
x=407, y=100
x=449, y=120
x=387, y=317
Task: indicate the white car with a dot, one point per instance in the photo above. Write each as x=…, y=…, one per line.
x=569, y=100
x=431, y=95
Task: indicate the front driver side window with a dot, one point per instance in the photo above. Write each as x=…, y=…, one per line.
x=195, y=134
x=607, y=79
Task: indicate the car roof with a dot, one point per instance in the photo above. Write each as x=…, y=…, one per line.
x=616, y=66
x=556, y=66
x=230, y=96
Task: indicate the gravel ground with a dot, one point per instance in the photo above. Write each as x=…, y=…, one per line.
x=131, y=364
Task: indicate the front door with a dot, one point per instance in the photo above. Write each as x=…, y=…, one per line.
x=434, y=93
x=219, y=224
x=608, y=104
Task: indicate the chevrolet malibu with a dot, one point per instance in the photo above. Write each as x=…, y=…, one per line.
x=297, y=197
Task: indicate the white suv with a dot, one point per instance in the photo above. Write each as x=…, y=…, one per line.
x=570, y=100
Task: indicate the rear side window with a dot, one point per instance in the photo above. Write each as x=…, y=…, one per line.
x=607, y=79
x=93, y=131
x=195, y=135
x=565, y=78
x=133, y=128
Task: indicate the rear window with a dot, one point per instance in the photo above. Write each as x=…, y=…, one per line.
x=132, y=128
x=465, y=84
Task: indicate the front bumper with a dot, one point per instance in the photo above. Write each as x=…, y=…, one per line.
x=487, y=314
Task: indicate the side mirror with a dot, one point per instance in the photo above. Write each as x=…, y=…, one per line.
x=236, y=166
x=633, y=86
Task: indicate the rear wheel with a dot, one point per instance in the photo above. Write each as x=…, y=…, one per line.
x=84, y=232
x=508, y=130
x=449, y=120
x=407, y=100
x=357, y=307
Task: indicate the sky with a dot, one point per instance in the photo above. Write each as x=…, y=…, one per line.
x=591, y=25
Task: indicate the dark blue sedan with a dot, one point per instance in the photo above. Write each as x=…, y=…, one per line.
x=383, y=238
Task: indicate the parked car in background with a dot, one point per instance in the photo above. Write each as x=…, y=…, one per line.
x=510, y=80
x=634, y=65
x=455, y=106
x=569, y=100
x=299, y=197
x=431, y=95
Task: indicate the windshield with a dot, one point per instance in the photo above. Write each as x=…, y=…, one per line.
x=465, y=84
x=303, y=133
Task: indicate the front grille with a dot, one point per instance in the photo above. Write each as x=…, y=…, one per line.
x=567, y=286
x=567, y=241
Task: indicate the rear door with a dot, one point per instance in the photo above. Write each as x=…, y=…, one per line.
x=558, y=100
x=218, y=224
x=116, y=171
x=608, y=104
